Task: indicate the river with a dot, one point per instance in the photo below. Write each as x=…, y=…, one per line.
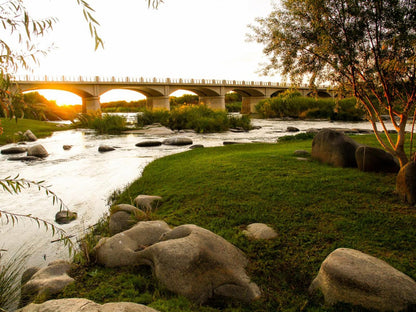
x=84, y=178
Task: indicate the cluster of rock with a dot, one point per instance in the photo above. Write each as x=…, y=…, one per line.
x=198, y=264
x=34, y=152
x=334, y=148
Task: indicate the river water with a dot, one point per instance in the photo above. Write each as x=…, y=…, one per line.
x=84, y=178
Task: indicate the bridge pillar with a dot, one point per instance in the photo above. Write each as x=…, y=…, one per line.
x=213, y=102
x=91, y=105
x=248, y=103
x=158, y=103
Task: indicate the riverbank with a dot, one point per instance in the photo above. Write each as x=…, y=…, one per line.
x=314, y=208
x=41, y=128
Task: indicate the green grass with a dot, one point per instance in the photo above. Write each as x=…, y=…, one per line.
x=314, y=208
x=39, y=128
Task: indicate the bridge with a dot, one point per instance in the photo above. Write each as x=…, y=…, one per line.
x=211, y=92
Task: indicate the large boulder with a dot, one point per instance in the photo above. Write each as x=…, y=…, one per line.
x=147, y=203
x=334, y=148
x=350, y=276
x=47, y=281
x=37, y=150
x=14, y=150
x=406, y=182
x=120, y=249
x=84, y=305
x=29, y=136
x=123, y=217
x=178, y=141
x=198, y=264
x=376, y=160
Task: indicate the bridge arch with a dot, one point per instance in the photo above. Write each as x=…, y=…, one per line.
x=82, y=92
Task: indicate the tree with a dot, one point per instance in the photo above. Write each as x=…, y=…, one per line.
x=366, y=47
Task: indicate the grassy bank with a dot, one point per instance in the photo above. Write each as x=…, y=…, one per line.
x=313, y=207
x=40, y=128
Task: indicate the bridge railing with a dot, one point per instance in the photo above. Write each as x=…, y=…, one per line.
x=134, y=80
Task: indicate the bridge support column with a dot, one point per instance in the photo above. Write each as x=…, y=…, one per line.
x=91, y=105
x=213, y=102
x=158, y=103
x=248, y=103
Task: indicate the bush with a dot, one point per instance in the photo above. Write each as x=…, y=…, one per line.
x=199, y=118
x=233, y=107
x=296, y=106
x=111, y=124
x=150, y=117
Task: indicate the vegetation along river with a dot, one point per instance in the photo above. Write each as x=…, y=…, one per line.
x=84, y=178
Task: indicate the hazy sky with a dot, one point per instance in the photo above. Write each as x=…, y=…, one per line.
x=181, y=39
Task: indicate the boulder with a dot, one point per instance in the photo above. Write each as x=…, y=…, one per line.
x=148, y=203
x=37, y=150
x=84, y=305
x=292, y=129
x=14, y=150
x=105, y=148
x=120, y=249
x=376, y=160
x=29, y=136
x=47, y=281
x=350, y=276
x=123, y=217
x=259, y=231
x=177, y=141
x=65, y=216
x=406, y=182
x=148, y=143
x=334, y=148
x=198, y=264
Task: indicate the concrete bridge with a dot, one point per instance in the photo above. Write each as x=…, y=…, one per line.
x=211, y=92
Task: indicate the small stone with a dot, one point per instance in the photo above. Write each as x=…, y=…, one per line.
x=65, y=216
x=148, y=143
x=105, y=148
x=301, y=153
x=30, y=136
x=178, y=141
x=67, y=147
x=148, y=202
x=260, y=231
x=196, y=146
x=292, y=129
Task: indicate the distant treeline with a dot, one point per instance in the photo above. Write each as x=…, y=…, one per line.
x=34, y=106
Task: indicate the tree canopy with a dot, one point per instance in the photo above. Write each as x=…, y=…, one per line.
x=365, y=47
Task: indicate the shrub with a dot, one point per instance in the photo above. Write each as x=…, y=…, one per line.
x=106, y=123
x=149, y=117
x=296, y=106
x=196, y=117
x=233, y=107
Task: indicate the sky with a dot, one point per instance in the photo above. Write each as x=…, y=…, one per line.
x=181, y=39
